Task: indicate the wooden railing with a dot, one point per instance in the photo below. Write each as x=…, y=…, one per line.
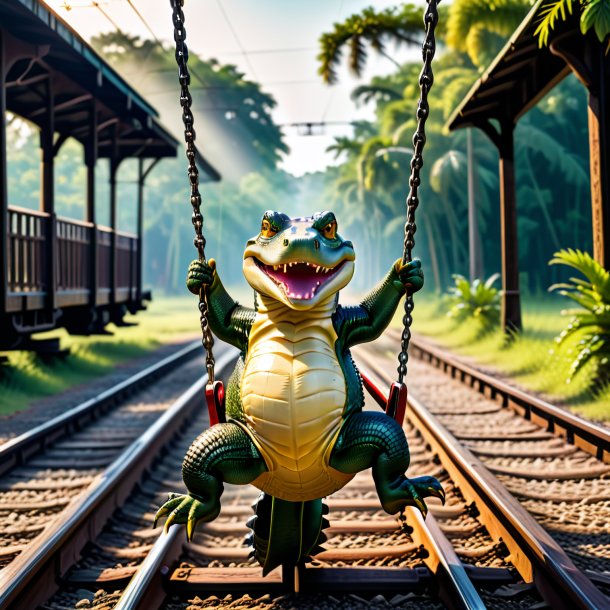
x=127, y=270
x=27, y=231
x=73, y=255
x=74, y=260
x=104, y=258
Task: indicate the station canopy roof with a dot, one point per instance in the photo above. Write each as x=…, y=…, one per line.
x=38, y=45
x=521, y=74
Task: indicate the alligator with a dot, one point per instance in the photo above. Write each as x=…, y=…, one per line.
x=295, y=425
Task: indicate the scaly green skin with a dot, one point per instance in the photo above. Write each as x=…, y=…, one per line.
x=226, y=452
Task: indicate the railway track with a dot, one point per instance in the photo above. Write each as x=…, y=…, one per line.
x=51, y=470
x=523, y=445
x=370, y=557
x=464, y=555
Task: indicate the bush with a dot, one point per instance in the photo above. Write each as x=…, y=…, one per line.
x=590, y=326
x=479, y=300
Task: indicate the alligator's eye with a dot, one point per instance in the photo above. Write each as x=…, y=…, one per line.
x=330, y=230
x=267, y=230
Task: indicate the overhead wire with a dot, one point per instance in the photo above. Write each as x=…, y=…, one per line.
x=237, y=39
x=331, y=93
x=96, y=5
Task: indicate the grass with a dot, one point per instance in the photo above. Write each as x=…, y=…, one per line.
x=530, y=358
x=27, y=377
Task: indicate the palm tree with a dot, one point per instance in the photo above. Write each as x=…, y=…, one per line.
x=403, y=26
x=480, y=28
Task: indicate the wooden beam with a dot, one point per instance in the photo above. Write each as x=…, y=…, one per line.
x=47, y=193
x=511, y=301
x=114, y=167
x=599, y=149
x=90, y=162
x=142, y=175
x=3, y=182
x=586, y=57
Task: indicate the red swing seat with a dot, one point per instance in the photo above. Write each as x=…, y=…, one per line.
x=395, y=405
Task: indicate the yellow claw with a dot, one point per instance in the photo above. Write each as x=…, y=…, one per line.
x=173, y=501
x=423, y=509
x=437, y=493
x=174, y=514
x=192, y=521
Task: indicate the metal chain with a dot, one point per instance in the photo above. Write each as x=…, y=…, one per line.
x=426, y=78
x=182, y=56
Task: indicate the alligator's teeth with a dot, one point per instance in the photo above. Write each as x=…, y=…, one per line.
x=284, y=268
x=275, y=267
x=318, y=268
x=317, y=283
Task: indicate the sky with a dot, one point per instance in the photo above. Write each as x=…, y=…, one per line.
x=274, y=42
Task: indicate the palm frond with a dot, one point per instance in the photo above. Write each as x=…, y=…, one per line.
x=550, y=12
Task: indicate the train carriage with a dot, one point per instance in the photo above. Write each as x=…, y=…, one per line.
x=54, y=271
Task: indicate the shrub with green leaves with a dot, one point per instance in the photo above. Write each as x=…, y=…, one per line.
x=594, y=15
x=477, y=300
x=589, y=326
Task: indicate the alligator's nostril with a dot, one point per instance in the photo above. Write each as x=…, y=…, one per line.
x=316, y=244
x=348, y=244
x=285, y=242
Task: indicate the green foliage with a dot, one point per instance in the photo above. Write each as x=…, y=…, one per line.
x=525, y=359
x=590, y=326
x=402, y=25
x=478, y=300
x=234, y=113
x=594, y=14
x=480, y=27
x=552, y=170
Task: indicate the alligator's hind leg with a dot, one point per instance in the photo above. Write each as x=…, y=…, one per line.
x=374, y=439
x=223, y=453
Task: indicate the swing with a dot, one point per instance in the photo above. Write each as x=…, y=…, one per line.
x=395, y=404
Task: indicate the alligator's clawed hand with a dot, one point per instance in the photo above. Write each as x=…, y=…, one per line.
x=411, y=492
x=410, y=274
x=188, y=510
x=200, y=274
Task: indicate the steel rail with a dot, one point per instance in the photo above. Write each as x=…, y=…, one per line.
x=535, y=554
x=18, y=450
x=145, y=590
x=588, y=436
x=459, y=592
x=27, y=581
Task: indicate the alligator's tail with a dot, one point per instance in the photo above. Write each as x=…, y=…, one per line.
x=286, y=533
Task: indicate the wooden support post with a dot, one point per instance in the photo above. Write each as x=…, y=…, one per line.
x=140, y=221
x=114, y=167
x=113, y=226
x=474, y=240
x=3, y=182
x=511, y=302
x=587, y=58
x=142, y=175
x=47, y=200
x=599, y=154
x=90, y=162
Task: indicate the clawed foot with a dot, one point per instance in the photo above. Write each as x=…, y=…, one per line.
x=410, y=492
x=188, y=510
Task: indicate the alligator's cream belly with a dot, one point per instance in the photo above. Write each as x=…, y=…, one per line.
x=293, y=393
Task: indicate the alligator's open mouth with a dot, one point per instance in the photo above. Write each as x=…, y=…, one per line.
x=299, y=280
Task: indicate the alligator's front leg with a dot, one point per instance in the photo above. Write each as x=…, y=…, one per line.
x=228, y=320
x=369, y=319
x=223, y=453
x=369, y=439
